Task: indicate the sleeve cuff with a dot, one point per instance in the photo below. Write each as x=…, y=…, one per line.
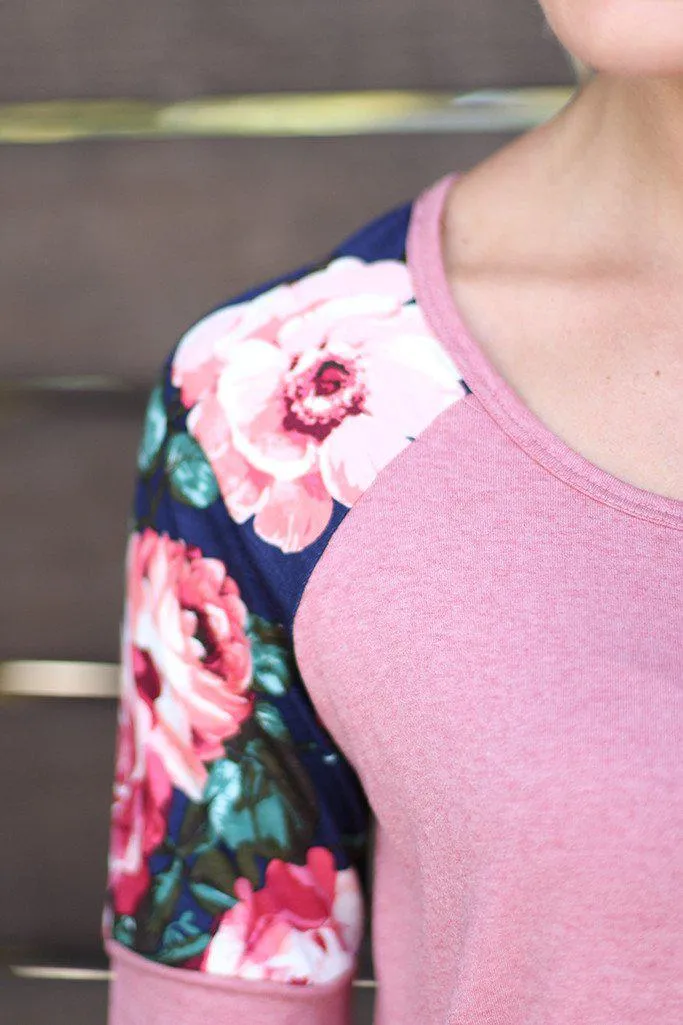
x=143, y=992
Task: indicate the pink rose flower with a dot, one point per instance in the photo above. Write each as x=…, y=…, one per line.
x=304, y=925
x=187, y=654
x=142, y=792
x=303, y=394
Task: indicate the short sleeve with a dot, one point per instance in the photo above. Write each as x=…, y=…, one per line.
x=236, y=872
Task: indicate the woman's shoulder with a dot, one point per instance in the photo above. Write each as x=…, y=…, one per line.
x=370, y=260
x=311, y=379
x=381, y=237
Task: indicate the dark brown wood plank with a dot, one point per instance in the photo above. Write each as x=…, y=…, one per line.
x=33, y=1002
x=110, y=250
x=171, y=50
x=65, y=492
x=56, y=772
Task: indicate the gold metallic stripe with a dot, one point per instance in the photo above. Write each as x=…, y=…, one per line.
x=37, y=679
x=61, y=973
x=283, y=114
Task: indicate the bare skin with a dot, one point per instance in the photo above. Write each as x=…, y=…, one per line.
x=564, y=251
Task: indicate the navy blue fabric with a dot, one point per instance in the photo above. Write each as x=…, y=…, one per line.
x=271, y=584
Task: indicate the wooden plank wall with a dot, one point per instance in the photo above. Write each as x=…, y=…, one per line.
x=109, y=250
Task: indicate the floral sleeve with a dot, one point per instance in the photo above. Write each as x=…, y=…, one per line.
x=222, y=859
x=239, y=829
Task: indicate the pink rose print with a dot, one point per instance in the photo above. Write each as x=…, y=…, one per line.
x=187, y=659
x=303, y=926
x=303, y=394
x=142, y=792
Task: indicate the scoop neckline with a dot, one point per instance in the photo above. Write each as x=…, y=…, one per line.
x=426, y=264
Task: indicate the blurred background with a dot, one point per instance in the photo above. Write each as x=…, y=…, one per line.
x=156, y=159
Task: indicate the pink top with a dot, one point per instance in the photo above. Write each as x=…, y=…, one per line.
x=485, y=628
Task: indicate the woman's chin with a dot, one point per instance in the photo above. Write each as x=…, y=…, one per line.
x=627, y=38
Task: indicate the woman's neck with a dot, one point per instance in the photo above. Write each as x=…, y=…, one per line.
x=614, y=155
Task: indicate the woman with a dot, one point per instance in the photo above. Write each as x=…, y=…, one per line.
x=407, y=548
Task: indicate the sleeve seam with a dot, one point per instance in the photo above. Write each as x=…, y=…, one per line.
x=137, y=963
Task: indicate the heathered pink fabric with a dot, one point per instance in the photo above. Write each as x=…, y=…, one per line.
x=493, y=634
x=152, y=994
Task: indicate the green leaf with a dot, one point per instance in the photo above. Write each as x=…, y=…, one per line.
x=228, y=820
x=162, y=896
x=268, y=717
x=191, y=478
x=193, y=829
x=271, y=656
x=211, y=899
x=270, y=673
x=183, y=951
x=181, y=940
x=264, y=804
x=124, y=930
x=183, y=929
x=153, y=431
x=166, y=884
x=216, y=869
